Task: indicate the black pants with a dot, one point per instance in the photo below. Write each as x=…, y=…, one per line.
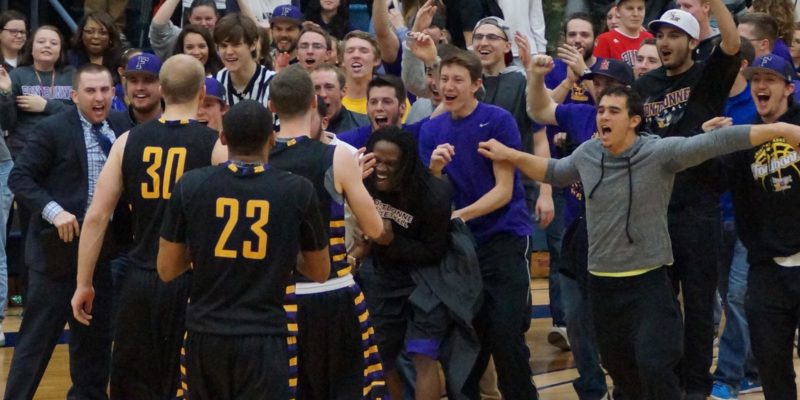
x=696, y=234
x=638, y=327
x=236, y=367
x=149, y=333
x=47, y=309
x=504, y=318
x=773, y=312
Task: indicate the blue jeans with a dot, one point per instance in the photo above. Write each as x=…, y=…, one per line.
x=735, y=358
x=555, y=236
x=591, y=384
x=6, y=198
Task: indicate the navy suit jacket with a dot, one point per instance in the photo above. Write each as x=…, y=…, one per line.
x=54, y=167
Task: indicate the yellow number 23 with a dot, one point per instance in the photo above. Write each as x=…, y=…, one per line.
x=254, y=209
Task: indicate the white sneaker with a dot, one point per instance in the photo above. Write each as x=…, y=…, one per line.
x=2, y=336
x=558, y=337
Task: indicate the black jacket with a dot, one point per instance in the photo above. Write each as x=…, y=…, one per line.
x=53, y=167
x=346, y=120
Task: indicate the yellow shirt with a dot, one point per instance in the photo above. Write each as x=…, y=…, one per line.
x=360, y=106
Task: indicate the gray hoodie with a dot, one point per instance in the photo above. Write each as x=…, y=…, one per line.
x=628, y=194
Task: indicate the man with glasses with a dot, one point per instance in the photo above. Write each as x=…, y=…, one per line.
x=313, y=47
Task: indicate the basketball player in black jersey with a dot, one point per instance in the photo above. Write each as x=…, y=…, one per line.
x=243, y=224
x=334, y=362
x=144, y=164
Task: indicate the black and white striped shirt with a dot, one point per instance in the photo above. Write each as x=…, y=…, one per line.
x=257, y=89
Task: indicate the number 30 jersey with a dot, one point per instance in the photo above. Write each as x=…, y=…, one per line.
x=156, y=155
x=244, y=228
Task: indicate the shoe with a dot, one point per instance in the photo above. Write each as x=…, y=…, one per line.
x=721, y=391
x=16, y=301
x=558, y=337
x=2, y=336
x=748, y=386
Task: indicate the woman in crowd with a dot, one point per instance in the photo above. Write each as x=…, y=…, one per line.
x=97, y=40
x=196, y=41
x=331, y=15
x=12, y=38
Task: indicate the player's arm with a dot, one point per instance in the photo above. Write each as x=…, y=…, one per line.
x=315, y=264
x=314, y=260
x=219, y=154
x=496, y=197
x=173, y=259
x=541, y=107
x=106, y=195
x=348, y=180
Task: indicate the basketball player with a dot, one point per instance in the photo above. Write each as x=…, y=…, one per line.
x=241, y=225
x=145, y=164
x=337, y=360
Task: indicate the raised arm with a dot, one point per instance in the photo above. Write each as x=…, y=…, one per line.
x=731, y=41
x=419, y=50
x=164, y=12
x=348, y=180
x=106, y=195
x=384, y=34
x=541, y=108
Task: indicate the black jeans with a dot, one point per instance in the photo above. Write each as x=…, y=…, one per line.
x=638, y=326
x=504, y=318
x=696, y=234
x=773, y=312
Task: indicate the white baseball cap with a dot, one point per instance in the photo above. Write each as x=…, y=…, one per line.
x=678, y=19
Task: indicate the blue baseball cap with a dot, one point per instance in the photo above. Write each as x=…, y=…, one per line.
x=287, y=13
x=215, y=89
x=773, y=64
x=145, y=63
x=617, y=70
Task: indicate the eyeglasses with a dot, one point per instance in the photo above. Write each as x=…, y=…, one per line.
x=93, y=32
x=477, y=37
x=315, y=46
x=15, y=32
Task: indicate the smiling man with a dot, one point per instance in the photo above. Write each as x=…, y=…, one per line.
x=142, y=87
x=242, y=77
x=213, y=106
x=329, y=85
x=285, y=25
x=629, y=180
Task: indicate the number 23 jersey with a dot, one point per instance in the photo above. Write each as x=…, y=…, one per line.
x=157, y=153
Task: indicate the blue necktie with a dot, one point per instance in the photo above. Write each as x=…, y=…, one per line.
x=102, y=140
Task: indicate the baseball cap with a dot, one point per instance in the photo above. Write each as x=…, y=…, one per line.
x=143, y=63
x=286, y=13
x=773, y=64
x=498, y=22
x=215, y=89
x=678, y=19
x=617, y=70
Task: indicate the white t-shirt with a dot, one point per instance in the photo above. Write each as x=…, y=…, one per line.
x=263, y=9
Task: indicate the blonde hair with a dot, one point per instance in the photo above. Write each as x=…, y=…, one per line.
x=181, y=78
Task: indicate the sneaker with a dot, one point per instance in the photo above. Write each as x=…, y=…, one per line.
x=2, y=336
x=748, y=386
x=558, y=337
x=721, y=391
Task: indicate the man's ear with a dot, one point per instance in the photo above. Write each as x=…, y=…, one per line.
x=271, y=107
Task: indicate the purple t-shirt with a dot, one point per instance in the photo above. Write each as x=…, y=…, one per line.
x=579, y=122
x=577, y=96
x=359, y=137
x=471, y=174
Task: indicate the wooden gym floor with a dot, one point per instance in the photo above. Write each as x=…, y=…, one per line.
x=553, y=369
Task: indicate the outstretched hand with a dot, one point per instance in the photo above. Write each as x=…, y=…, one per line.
x=716, y=123
x=495, y=151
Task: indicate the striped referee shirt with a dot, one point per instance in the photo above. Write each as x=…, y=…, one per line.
x=257, y=89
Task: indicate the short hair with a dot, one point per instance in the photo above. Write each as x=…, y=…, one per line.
x=291, y=91
x=89, y=68
x=247, y=126
x=330, y=67
x=376, y=50
x=581, y=16
x=765, y=26
x=235, y=28
x=747, y=51
x=309, y=28
x=213, y=64
x=181, y=78
x=648, y=42
x=632, y=99
x=388, y=81
x=466, y=59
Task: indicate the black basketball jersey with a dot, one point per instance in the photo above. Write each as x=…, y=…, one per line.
x=156, y=155
x=314, y=161
x=244, y=228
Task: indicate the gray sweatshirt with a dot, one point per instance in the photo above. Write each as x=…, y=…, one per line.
x=627, y=195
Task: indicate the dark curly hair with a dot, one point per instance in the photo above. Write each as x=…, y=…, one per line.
x=411, y=173
x=112, y=53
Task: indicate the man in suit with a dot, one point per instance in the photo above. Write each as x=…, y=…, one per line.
x=55, y=177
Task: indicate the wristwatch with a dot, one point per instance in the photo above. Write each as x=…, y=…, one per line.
x=586, y=71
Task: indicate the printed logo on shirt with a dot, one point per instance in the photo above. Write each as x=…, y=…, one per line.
x=55, y=92
x=629, y=56
x=663, y=113
x=775, y=160
x=579, y=93
x=401, y=217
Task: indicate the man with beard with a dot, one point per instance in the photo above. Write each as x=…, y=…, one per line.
x=142, y=88
x=329, y=84
x=678, y=97
x=386, y=103
x=576, y=57
x=285, y=25
x=313, y=47
x=242, y=77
